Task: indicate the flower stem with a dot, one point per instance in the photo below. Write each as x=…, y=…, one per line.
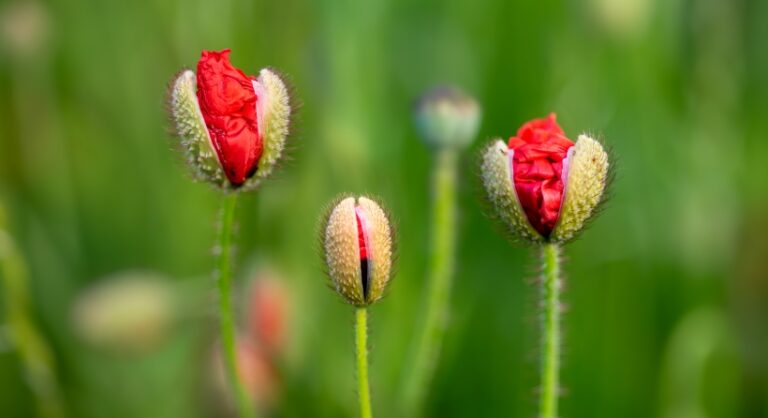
x=227, y=324
x=36, y=355
x=441, y=266
x=550, y=358
x=361, y=343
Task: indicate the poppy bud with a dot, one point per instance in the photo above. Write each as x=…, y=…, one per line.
x=267, y=312
x=232, y=126
x=446, y=116
x=357, y=245
x=542, y=185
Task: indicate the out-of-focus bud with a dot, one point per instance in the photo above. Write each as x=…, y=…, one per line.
x=233, y=127
x=622, y=19
x=267, y=312
x=255, y=370
x=128, y=312
x=357, y=244
x=543, y=186
x=24, y=27
x=447, y=117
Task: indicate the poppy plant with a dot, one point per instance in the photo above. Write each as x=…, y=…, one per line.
x=233, y=129
x=545, y=188
x=447, y=119
x=357, y=240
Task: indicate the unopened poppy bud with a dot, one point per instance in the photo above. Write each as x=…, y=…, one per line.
x=268, y=311
x=232, y=126
x=542, y=185
x=357, y=245
x=446, y=116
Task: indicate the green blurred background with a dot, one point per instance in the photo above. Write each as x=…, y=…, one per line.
x=667, y=293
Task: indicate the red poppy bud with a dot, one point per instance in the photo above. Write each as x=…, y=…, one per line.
x=542, y=185
x=233, y=126
x=268, y=309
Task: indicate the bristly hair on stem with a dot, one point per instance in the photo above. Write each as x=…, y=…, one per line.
x=551, y=335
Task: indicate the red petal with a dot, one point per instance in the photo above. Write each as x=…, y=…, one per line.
x=539, y=149
x=228, y=104
x=361, y=237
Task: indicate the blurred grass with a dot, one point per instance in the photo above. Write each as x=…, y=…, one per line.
x=679, y=90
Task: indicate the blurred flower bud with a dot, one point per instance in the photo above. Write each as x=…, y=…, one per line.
x=543, y=186
x=624, y=19
x=255, y=370
x=131, y=311
x=232, y=126
x=24, y=27
x=357, y=244
x=267, y=312
x=447, y=117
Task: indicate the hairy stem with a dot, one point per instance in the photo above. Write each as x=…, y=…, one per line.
x=443, y=242
x=361, y=343
x=226, y=317
x=550, y=355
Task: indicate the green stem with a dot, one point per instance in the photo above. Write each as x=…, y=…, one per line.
x=361, y=343
x=36, y=355
x=227, y=323
x=550, y=357
x=443, y=242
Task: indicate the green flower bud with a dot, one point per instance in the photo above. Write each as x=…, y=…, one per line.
x=357, y=245
x=587, y=177
x=500, y=191
x=190, y=127
x=447, y=117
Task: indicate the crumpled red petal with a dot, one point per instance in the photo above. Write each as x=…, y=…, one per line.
x=228, y=104
x=539, y=149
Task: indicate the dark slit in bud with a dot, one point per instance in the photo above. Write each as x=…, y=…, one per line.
x=364, y=271
x=363, y=248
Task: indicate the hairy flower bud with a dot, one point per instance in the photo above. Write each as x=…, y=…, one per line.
x=357, y=245
x=232, y=126
x=543, y=187
x=446, y=116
